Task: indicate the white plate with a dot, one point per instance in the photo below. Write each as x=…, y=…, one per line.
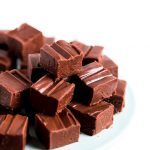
x=101, y=140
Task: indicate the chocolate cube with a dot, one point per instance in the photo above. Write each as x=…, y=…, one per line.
x=93, y=119
x=61, y=59
x=93, y=84
x=57, y=131
x=13, y=132
x=50, y=97
x=13, y=89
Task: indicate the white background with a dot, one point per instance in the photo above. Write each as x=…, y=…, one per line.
x=121, y=26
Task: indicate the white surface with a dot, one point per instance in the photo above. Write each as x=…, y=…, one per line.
x=121, y=26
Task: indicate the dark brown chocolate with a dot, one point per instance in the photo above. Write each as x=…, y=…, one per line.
x=35, y=72
x=61, y=59
x=57, y=131
x=93, y=119
x=93, y=84
x=21, y=41
x=13, y=132
x=13, y=89
x=50, y=97
x=118, y=99
x=91, y=53
x=110, y=65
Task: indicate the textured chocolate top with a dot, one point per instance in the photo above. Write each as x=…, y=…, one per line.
x=120, y=91
x=14, y=81
x=13, y=125
x=92, y=111
x=61, y=50
x=48, y=87
x=94, y=74
x=60, y=121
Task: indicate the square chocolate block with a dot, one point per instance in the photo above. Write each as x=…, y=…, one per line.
x=13, y=132
x=93, y=119
x=91, y=53
x=22, y=41
x=110, y=65
x=13, y=89
x=35, y=72
x=118, y=99
x=61, y=59
x=93, y=84
x=50, y=97
x=57, y=131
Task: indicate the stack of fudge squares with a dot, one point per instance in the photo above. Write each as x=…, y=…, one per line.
x=63, y=88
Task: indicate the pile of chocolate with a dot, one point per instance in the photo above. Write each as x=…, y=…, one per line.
x=61, y=88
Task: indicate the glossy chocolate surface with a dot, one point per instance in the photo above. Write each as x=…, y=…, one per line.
x=13, y=86
x=13, y=132
x=60, y=130
x=50, y=97
x=93, y=119
x=95, y=83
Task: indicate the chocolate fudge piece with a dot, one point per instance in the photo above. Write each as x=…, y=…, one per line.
x=61, y=59
x=93, y=119
x=22, y=41
x=118, y=99
x=13, y=88
x=49, y=40
x=110, y=65
x=93, y=84
x=50, y=97
x=91, y=53
x=57, y=131
x=35, y=72
x=13, y=132
x=5, y=61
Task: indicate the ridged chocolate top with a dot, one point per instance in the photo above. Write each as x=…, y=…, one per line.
x=14, y=81
x=93, y=111
x=94, y=74
x=13, y=125
x=61, y=50
x=60, y=121
x=48, y=87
